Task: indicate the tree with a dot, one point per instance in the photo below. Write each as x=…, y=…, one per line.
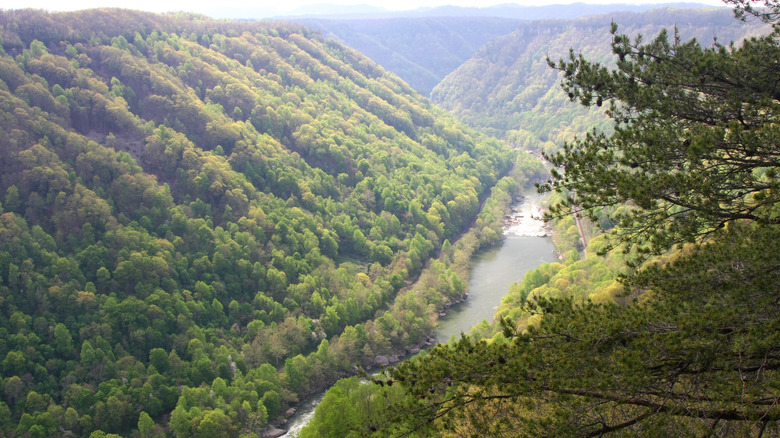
x=769, y=13
x=159, y=358
x=696, y=357
x=694, y=144
x=694, y=154
x=63, y=341
x=12, y=198
x=145, y=424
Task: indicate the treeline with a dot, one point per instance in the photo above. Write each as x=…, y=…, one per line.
x=204, y=221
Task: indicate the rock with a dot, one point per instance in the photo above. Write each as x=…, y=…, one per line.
x=382, y=361
x=290, y=412
x=272, y=432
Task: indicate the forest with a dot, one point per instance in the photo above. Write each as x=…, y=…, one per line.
x=424, y=45
x=420, y=50
x=508, y=91
x=203, y=222
x=667, y=325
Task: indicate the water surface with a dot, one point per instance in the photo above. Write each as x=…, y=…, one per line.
x=493, y=270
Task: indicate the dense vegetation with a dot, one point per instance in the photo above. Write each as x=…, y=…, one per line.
x=423, y=46
x=203, y=221
x=508, y=90
x=422, y=51
x=689, y=347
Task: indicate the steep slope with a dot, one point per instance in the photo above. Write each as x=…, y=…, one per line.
x=508, y=90
x=689, y=350
x=423, y=50
x=190, y=206
x=424, y=45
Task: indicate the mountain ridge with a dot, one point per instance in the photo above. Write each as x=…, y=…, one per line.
x=422, y=47
x=508, y=90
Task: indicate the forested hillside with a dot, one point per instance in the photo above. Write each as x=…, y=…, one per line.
x=669, y=325
x=507, y=89
x=424, y=45
x=422, y=51
x=203, y=221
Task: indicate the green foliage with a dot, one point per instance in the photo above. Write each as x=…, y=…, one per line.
x=683, y=346
x=692, y=148
x=239, y=211
x=686, y=359
x=355, y=408
x=145, y=424
x=507, y=90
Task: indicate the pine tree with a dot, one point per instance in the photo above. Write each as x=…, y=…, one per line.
x=692, y=162
x=694, y=146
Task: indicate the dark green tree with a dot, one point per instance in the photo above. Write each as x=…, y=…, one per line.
x=694, y=146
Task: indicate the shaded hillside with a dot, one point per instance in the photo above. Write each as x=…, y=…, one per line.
x=423, y=45
x=210, y=219
x=508, y=90
x=421, y=51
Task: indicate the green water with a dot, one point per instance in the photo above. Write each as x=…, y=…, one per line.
x=493, y=271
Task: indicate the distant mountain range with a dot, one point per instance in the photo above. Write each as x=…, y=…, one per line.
x=424, y=45
x=368, y=12
x=507, y=89
x=422, y=51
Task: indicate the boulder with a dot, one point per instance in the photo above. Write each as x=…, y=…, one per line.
x=382, y=361
x=272, y=432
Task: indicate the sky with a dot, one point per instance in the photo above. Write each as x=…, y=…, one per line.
x=270, y=8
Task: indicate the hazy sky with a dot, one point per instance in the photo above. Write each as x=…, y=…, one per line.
x=276, y=7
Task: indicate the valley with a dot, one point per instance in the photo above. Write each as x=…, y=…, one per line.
x=204, y=222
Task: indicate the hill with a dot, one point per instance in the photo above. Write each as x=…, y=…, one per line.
x=667, y=327
x=422, y=51
x=424, y=45
x=508, y=90
x=203, y=221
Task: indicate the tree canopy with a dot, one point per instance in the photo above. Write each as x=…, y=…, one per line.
x=695, y=354
x=202, y=222
x=694, y=146
x=508, y=90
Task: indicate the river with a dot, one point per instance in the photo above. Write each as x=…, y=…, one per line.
x=525, y=247
x=495, y=269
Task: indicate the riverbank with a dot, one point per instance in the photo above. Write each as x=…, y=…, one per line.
x=492, y=270
x=526, y=245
